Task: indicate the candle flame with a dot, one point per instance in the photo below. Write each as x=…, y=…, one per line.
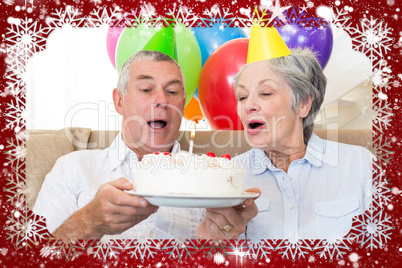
x=193, y=132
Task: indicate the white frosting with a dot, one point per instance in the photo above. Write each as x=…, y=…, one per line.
x=188, y=174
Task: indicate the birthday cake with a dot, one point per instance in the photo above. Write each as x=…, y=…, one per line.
x=188, y=174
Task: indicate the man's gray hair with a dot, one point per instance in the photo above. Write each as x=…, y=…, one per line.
x=151, y=55
x=302, y=71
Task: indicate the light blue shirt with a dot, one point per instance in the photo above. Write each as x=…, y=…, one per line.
x=76, y=177
x=318, y=196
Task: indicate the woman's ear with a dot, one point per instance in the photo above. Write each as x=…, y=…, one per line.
x=305, y=107
x=118, y=101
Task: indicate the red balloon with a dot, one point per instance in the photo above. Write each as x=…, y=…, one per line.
x=215, y=88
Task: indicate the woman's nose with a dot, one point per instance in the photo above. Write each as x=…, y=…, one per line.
x=251, y=105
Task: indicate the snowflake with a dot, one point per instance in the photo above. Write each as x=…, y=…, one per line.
x=383, y=154
x=183, y=15
x=211, y=248
x=372, y=229
x=106, y=250
x=295, y=249
x=148, y=11
x=380, y=192
x=340, y=19
x=25, y=228
x=14, y=112
x=14, y=192
x=16, y=152
x=23, y=40
x=15, y=84
x=139, y=250
x=43, y=11
x=174, y=248
x=68, y=16
x=103, y=16
x=332, y=249
x=381, y=106
x=224, y=17
x=59, y=249
x=296, y=16
x=373, y=39
x=261, y=249
x=276, y=11
x=239, y=248
x=382, y=76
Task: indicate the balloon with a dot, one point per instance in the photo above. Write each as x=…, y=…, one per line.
x=112, y=36
x=317, y=39
x=143, y=37
x=215, y=90
x=192, y=111
x=188, y=57
x=178, y=42
x=210, y=38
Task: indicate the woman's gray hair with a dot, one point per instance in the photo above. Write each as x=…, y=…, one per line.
x=302, y=71
x=151, y=55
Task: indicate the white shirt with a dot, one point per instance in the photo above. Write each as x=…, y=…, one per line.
x=76, y=177
x=316, y=198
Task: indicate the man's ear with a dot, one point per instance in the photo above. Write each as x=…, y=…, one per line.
x=118, y=101
x=305, y=107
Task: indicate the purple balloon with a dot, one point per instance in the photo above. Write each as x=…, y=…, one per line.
x=318, y=39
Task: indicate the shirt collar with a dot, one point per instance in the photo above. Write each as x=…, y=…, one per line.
x=315, y=150
x=260, y=162
x=118, y=151
x=314, y=154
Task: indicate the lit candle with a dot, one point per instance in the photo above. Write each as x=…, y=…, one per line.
x=192, y=141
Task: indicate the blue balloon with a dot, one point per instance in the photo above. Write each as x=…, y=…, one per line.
x=210, y=38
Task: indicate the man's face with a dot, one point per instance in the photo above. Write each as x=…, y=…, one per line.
x=152, y=107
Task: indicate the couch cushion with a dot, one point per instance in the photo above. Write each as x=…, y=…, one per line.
x=234, y=143
x=44, y=147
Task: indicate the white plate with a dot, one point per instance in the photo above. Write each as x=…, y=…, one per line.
x=192, y=201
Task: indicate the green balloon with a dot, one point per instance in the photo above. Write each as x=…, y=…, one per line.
x=132, y=39
x=188, y=57
x=178, y=42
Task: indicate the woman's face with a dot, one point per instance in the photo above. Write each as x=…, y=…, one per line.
x=264, y=104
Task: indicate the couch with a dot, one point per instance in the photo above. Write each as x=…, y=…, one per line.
x=44, y=147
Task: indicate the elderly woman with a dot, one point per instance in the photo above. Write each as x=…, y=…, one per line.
x=311, y=188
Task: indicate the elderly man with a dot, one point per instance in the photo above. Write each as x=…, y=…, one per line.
x=83, y=196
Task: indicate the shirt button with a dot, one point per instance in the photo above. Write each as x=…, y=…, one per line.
x=291, y=176
x=290, y=205
x=151, y=234
x=291, y=235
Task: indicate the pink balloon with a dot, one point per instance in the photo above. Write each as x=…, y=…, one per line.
x=112, y=36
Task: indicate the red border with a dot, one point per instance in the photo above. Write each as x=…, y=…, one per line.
x=389, y=256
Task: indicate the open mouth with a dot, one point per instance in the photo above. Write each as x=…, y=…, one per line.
x=254, y=126
x=157, y=124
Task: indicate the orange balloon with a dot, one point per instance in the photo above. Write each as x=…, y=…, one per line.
x=192, y=111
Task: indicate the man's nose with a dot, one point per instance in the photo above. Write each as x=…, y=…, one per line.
x=161, y=100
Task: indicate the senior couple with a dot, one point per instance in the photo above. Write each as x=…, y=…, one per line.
x=310, y=188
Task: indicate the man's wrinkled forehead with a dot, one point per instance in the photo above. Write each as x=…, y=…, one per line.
x=138, y=76
x=141, y=77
